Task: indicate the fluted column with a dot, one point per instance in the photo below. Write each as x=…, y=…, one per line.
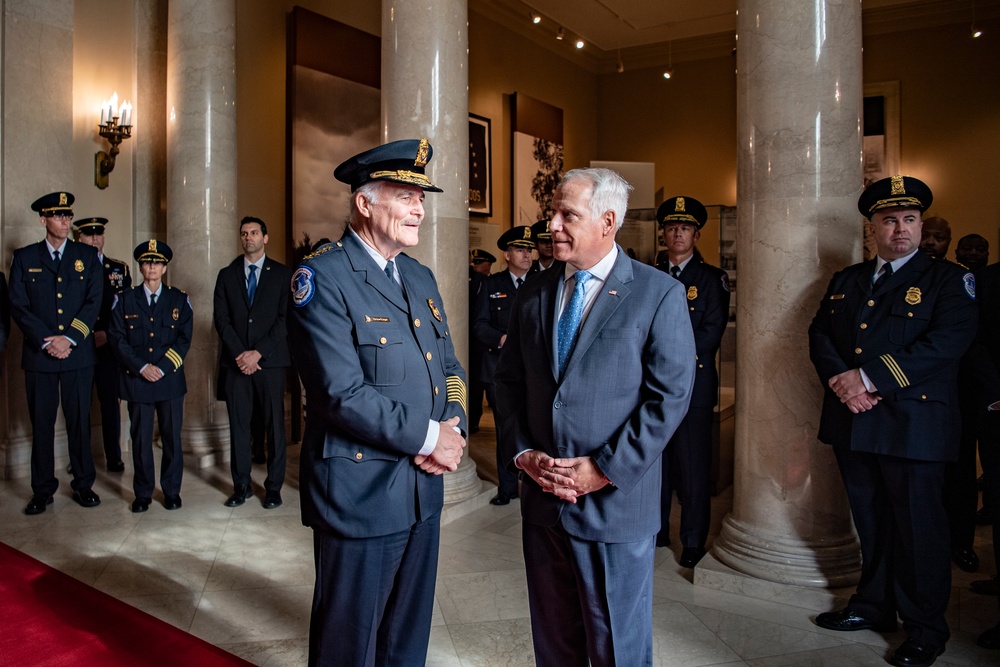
x=201, y=195
x=425, y=93
x=799, y=98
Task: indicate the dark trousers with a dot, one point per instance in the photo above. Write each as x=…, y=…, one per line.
x=903, y=528
x=589, y=601
x=106, y=383
x=506, y=479
x=44, y=392
x=170, y=415
x=961, y=498
x=374, y=596
x=989, y=456
x=687, y=468
x=265, y=388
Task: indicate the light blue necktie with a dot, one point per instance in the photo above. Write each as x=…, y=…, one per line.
x=569, y=321
x=252, y=282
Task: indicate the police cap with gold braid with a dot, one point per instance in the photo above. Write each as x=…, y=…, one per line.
x=895, y=192
x=681, y=210
x=54, y=203
x=90, y=226
x=541, y=230
x=397, y=161
x=516, y=237
x=153, y=251
x=480, y=255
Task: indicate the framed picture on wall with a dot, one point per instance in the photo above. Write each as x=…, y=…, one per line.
x=537, y=151
x=480, y=166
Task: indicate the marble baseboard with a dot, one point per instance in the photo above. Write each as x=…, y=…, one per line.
x=457, y=510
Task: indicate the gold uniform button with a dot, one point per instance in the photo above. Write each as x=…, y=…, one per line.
x=151, y=335
x=909, y=314
x=923, y=396
x=864, y=326
x=382, y=340
x=857, y=350
x=359, y=456
x=429, y=356
x=59, y=279
x=416, y=323
x=58, y=295
x=871, y=302
x=692, y=308
x=151, y=319
x=435, y=391
x=59, y=311
x=701, y=365
x=150, y=349
x=61, y=327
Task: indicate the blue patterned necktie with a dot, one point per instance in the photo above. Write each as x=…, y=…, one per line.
x=252, y=282
x=569, y=321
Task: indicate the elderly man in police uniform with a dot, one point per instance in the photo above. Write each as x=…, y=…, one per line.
x=493, y=308
x=543, y=244
x=886, y=343
x=116, y=278
x=55, y=298
x=385, y=416
x=151, y=328
x=687, y=461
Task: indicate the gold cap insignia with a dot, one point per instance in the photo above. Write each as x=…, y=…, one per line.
x=78, y=265
x=913, y=296
x=152, y=245
x=434, y=310
x=176, y=314
x=679, y=205
x=421, y=159
x=62, y=199
x=692, y=293
x=897, y=186
x=527, y=232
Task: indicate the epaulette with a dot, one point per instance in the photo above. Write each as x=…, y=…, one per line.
x=323, y=249
x=113, y=259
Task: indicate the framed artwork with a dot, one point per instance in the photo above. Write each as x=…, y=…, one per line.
x=537, y=150
x=881, y=141
x=480, y=166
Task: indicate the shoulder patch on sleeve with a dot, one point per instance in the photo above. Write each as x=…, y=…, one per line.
x=114, y=301
x=303, y=287
x=970, y=284
x=725, y=281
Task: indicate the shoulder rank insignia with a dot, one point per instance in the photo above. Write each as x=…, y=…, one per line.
x=176, y=314
x=78, y=265
x=434, y=310
x=725, y=282
x=303, y=287
x=692, y=293
x=913, y=295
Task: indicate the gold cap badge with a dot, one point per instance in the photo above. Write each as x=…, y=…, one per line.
x=421, y=159
x=434, y=310
x=78, y=265
x=913, y=295
x=897, y=186
x=692, y=293
x=679, y=205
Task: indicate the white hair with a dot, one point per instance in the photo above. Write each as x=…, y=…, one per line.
x=609, y=191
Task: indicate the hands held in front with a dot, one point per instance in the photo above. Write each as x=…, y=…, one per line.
x=851, y=391
x=249, y=362
x=565, y=478
x=58, y=346
x=447, y=452
x=151, y=373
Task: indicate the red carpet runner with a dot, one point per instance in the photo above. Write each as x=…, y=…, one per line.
x=50, y=618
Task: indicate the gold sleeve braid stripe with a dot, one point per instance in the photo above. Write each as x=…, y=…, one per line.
x=80, y=326
x=457, y=392
x=174, y=358
x=896, y=371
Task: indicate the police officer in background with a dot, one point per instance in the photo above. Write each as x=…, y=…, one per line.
x=687, y=461
x=116, y=278
x=55, y=298
x=151, y=328
x=493, y=308
x=543, y=244
x=480, y=266
x=886, y=343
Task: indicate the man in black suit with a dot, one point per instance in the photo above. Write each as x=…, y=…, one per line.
x=480, y=265
x=687, y=461
x=493, y=308
x=251, y=304
x=116, y=278
x=886, y=343
x=55, y=297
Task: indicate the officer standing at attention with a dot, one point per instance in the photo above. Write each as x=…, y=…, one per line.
x=480, y=265
x=151, y=328
x=493, y=308
x=116, y=279
x=687, y=461
x=55, y=297
x=385, y=416
x=543, y=244
x=886, y=343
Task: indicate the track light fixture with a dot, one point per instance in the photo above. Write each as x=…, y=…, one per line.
x=536, y=18
x=579, y=43
x=560, y=34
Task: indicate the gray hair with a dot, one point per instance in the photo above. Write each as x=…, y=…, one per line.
x=372, y=191
x=609, y=191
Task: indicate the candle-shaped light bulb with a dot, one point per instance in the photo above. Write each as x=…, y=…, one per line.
x=126, y=113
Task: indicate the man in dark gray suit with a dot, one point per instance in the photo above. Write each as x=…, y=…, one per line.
x=385, y=417
x=595, y=376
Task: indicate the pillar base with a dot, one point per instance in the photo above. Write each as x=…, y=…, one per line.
x=205, y=446
x=462, y=484
x=830, y=563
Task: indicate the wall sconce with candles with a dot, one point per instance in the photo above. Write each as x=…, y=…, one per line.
x=116, y=127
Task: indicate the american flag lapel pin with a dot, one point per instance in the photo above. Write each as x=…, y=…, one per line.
x=613, y=292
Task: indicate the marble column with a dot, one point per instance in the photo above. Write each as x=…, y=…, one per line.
x=799, y=99
x=201, y=196
x=37, y=145
x=425, y=93
x=149, y=218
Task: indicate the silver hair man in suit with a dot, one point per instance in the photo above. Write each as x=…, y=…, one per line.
x=595, y=376
x=385, y=417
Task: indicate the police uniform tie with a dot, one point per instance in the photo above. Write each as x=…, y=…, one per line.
x=675, y=271
x=517, y=283
x=152, y=299
x=252, y=282
x=390, y=270
x=883, y=276
x=569, y=321
x=55, y=256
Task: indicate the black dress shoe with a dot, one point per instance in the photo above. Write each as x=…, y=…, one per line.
x=846, y=620
x=272, y=499
x=966, y=559
x=87, y=498
x=116, y=466
x=140, y=505
x=240, y=495
x=37, y=504
x=500, y=499
x=171, y=502
x=985, y=587
x=991, y=638
x=691, y=555
x=912, y=653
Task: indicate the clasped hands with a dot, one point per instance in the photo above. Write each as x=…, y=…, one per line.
x=447, y=452
x=248, y=362
x=58, y=346
x=851, y=391
x=568, y=479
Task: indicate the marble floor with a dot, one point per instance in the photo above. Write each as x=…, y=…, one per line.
x=242, y=578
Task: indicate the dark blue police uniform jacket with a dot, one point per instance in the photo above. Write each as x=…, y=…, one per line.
x=160, y=336
x=492, y=315
x=46, y=300
x=376, y=367
x=907, y=337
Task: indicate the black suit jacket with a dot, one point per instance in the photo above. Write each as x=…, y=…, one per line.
x=261, y=326
x=492, y=315
x=908, y=337
x=985, y=354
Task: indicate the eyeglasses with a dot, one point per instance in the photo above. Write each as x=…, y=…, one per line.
x=67, y=216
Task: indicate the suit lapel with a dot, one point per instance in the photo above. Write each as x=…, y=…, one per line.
x=362, y=262
x=45, y=258
x=865, y=276
x=547, y=311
